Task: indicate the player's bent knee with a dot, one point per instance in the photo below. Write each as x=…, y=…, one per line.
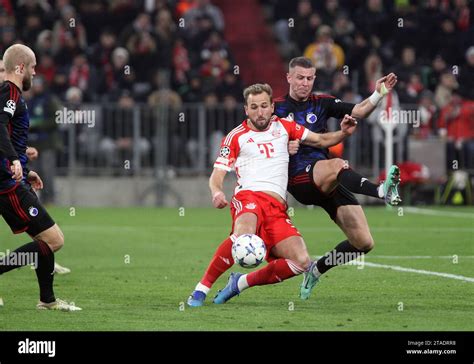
x=365, y=244
x=338, y=164
x=56, y=241
x=304, y=261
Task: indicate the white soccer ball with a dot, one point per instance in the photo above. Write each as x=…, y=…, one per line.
x=249, y=250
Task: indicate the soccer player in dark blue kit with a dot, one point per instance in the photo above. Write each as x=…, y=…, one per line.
x=314, y=179
x=19, y=205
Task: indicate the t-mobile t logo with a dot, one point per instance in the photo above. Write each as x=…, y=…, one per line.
x=267, y=149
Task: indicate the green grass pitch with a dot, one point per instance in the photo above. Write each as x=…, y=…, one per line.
x=133, y=268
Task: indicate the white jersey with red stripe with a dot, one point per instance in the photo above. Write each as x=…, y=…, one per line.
x=260, y=158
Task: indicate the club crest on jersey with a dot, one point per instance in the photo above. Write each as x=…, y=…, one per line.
x=33, y=211
x=311, y=118
x=276, y=133
x=250, y=206
x=225, y=151
x=10, y=107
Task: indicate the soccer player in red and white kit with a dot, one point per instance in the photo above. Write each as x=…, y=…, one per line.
x=258, y=151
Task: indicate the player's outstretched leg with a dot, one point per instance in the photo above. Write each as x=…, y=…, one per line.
x=274, y=272
x=328, y=173
x=52, y=240
x=352, y=221
x=220, y=263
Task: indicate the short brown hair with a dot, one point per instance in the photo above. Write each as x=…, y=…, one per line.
x=257, y=89
x=301, y=62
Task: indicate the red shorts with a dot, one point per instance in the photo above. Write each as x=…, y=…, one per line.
x=273, y=223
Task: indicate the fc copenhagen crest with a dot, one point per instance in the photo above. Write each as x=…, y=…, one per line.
x=311, y=118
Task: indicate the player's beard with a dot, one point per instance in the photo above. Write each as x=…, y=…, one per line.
x=261, y=123
x=26, y=83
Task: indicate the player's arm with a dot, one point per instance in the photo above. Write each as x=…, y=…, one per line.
x=216, y=185
x=326, y=140
x=7, y=150
x=382, y=87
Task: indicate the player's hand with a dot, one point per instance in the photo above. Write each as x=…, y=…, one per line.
x=293, y=146
x=219, y=201
x=32, y=153
x=17, y=170
x=386, y=84
x=35, y=180
x=348, y=125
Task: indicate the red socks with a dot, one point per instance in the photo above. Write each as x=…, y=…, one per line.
x=221, y=262
x=274, y=272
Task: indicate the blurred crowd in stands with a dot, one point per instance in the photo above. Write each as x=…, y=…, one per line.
x=171, y=52
x=429, y=44
x=149, y=50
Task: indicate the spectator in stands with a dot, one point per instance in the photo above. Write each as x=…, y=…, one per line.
x=165, y=34
x=43, y=134
x=141, y=24
x=31, y=29
x=44, y=42
x=123, y=73
x=343, y=30
x=67, y=28
x=408, y=66
x=84, y=76
x=194, y=92
x=181, y=65
x=466, y=75
x=144, y=56
x=445, y=88
x=46, y=68
x=372, y=71
x=331, y=11
x=448, y=43
x=456, y=121
x=230, y=86
x=305, y=25
x=214, y=70
x=438, y=67
x=326, y=55
x=410, y=92
x=428, y=115
x=205, y=8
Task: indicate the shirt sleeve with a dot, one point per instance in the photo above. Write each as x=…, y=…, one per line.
x=7, y=110
x=295, y=130
x=228, y=153
x=336, y=108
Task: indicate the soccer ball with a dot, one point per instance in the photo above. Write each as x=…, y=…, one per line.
x=248, y=250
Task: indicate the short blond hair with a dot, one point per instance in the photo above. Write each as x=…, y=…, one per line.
x=257, y=89
x=15, y=55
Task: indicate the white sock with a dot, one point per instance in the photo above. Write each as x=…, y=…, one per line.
x=201, y=287
x=380, y=190
x=242, y=283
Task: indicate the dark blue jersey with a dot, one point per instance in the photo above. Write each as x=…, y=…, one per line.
x=313, y=114
x=14, y=124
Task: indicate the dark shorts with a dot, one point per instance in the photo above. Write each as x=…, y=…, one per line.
x=305, y=191
x=23, y=212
